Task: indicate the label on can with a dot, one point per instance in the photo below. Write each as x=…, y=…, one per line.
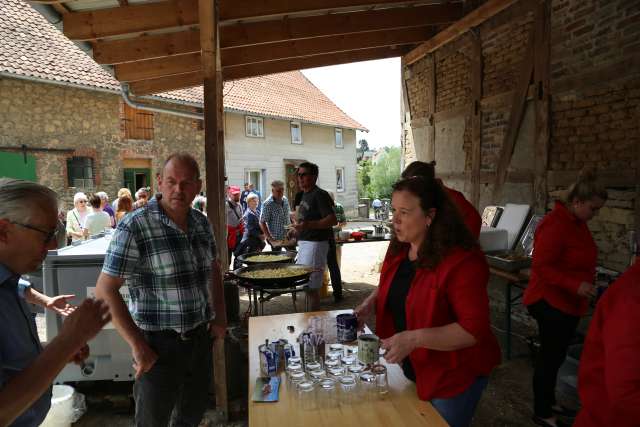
x=347, y=325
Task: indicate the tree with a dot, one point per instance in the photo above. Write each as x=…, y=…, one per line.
x=385, y=172
x=363, y=147
x=364, y=179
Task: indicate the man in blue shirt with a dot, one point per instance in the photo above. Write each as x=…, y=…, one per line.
x=28, y=227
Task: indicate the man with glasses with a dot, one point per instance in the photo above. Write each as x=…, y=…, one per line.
x=274, y=216
x=166, y=253
x=315, y=220
x=26, y=369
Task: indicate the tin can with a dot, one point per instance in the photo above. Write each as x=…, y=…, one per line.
x=288, y=352
x=268, y=361
x=347, y=327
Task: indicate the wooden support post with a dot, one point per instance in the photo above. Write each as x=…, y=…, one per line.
x=476, y=118
x=515, y=118
x=214, y=158
x=431, y=154
x=541, y=79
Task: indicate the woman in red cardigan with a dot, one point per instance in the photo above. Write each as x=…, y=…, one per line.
x=561, y=283
x=609, y=376
x=432, y=308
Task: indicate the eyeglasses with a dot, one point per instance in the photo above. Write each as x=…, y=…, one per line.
x=48, y=235
x=303, y=174
x=82, y=201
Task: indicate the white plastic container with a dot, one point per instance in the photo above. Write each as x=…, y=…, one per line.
x=61, y=412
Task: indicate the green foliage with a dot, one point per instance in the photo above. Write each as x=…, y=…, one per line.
x=364, y=178
x=385, y=172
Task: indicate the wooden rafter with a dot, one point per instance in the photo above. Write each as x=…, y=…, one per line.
x=180, y=64
x=478, y=16
x=140, y=18
x=244, y=34
x=181, y=81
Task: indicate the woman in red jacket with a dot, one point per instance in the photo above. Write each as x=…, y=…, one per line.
x=432, y=308
x=609, y=377
x=561, y=283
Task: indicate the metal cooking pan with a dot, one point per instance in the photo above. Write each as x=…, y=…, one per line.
x=302, y=272
x=291, y=256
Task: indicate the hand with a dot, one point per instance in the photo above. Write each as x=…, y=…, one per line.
x=364, y=310
x=85, y=232
x=85, y=322
x=143, y=358
x=398, y=346
x=60, y=304
x=299, y=226
x=217, y=330
x=81, y=355
x=587, y=290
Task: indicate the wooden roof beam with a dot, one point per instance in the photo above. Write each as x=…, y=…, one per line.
x=181, y=81
x=180, y=64
x=473, y=19
x=140, y=18
x=178, y=43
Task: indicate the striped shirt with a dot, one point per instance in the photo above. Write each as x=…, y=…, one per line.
x=276, y=216
x=168, y=271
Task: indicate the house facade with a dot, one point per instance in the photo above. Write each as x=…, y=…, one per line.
x=65, y=124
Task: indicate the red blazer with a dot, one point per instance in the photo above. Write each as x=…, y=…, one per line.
x=468, y=212
x=456, y=291
x=564, y=255
x=609, y=375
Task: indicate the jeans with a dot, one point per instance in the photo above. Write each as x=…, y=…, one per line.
x=175, y=390
x=458, y=410
x=334, y=269
x=556, y=330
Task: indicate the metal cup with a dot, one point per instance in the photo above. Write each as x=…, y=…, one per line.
x=368, y=349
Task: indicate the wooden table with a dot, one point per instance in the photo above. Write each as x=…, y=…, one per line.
x=399, y=407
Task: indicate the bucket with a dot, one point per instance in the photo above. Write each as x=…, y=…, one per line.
x=61, y=412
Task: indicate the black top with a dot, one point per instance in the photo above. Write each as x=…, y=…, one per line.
x=315, y=205
x=396, y=301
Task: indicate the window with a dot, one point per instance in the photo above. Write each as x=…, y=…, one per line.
x=296, y=133
x=254, y=176
x=339, y=143
x=80, y=172
x=255, y=127
x=339, y=179
x=135, y=124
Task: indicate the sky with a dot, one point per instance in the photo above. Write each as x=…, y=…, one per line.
x=367, y=91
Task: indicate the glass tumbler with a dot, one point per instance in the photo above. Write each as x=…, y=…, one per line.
x=348, y=390
x=335, y=372
x=306, y=396
x=337, y=347
x=327, y=393
x=368, y=387
x=348, y=360
x=382, y=384
x=313, y=366
x=296, y=377
x=356, y=369
x=316, y=375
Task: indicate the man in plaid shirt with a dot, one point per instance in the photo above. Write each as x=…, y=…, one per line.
x=166, y=254
x=274, y=216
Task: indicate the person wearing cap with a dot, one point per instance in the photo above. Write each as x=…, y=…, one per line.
x=235, y=224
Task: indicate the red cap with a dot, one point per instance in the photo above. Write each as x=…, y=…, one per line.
x=234, y=189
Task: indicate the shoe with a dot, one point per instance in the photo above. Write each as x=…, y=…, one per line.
x=337, y=297
x=541, y=422
x=563, y=411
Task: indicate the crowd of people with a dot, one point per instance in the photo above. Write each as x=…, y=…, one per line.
x=431, y=306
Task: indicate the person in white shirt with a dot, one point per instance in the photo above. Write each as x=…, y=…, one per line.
x=97, y=220
x=77, y=216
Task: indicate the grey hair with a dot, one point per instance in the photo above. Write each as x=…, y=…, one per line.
x=277, y=184
x=142, y=190
x=79, y=196
x=252, y=196
x=102, y=195
x=19, y=198
x=186, y=159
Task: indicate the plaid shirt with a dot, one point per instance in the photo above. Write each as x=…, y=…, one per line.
x=276, y=216
x=167, y=271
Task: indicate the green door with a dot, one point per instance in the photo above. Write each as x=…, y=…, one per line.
x=17, y=165
x=135, y=178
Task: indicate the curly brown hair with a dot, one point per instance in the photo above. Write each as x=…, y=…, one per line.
x=447, y=230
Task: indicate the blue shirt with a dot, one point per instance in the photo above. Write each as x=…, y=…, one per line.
x=276, y=216
x=19, y=344
x=168, y=271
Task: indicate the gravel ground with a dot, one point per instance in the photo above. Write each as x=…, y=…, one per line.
x=506, y=402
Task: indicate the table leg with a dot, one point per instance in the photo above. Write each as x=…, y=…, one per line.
x=255, y=302
x=507, y=318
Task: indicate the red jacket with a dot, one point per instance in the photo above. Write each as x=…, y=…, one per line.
x=609, y=375
x=564, y=256
x=456, y=291
x=468, y=212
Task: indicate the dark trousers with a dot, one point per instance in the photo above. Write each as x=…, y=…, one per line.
x=334, y=269
x=556, y=330
x=175, y=391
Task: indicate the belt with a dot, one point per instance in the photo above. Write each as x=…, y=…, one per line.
x=186, y=335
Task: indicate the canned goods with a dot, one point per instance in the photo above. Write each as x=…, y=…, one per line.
x=347, y=325
x=268, y=360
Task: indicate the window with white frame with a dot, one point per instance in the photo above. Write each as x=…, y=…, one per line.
x=340, y=179
x=254, y=176
x=254, y=126
x=296, y=133
x=339, y=143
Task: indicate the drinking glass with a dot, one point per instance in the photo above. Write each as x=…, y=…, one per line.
x=312, y=366
x=306, y=395
x=348, y=390
x=380, y=371
x=327, y=393
x=335, y=372
x=368, y=386
x=316, y=375
x=356, y=369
